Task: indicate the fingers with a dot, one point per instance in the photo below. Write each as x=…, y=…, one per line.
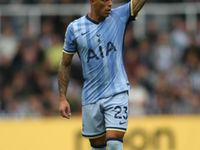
x=68, y=113
x=65, y=111
x=64, y=114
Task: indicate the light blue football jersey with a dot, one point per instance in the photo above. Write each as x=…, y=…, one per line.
x=100, y=48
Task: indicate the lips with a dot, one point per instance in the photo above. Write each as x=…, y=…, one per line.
x=108, y=11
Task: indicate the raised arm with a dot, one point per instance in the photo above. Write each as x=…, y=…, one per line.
x=63, y=81
x=137, y=5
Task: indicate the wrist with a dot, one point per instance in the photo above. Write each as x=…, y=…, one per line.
x=62, y=99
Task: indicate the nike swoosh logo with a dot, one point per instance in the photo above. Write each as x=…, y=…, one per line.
x=122, y=122
x=83, y=33
x=98, y=35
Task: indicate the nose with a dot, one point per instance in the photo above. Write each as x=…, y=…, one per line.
x=110, y=3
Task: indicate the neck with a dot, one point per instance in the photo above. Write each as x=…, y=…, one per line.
x=95, y=17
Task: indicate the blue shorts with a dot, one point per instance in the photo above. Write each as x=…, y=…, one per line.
x=110, y=113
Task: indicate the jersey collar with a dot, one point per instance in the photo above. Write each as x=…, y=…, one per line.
x=92, y=20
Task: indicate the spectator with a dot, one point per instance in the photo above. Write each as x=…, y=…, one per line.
x=53, y=54
x=8, y=44
x=163, y=68
x=179, y=37
x=138, y=98
x=163, y=54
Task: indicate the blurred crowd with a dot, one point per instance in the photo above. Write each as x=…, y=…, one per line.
x=80, y=1
x=163, y=68
x=28, y=69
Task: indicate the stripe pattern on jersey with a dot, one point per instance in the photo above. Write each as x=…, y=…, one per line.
x=101, y=55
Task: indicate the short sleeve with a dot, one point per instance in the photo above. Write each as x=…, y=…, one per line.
x=131, y=10
x=125, y=12
x=69, y=42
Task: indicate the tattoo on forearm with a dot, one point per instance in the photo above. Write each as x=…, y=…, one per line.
x=64, y=75
x=137, y=5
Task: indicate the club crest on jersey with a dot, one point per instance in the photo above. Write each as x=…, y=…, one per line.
x=91, y=53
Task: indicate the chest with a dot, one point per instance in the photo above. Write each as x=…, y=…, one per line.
x=91, y=36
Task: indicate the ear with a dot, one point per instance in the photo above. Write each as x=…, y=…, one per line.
x=92, y=1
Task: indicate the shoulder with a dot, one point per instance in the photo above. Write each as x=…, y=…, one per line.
x=124, y=12
x=76, y=23
x=72, y=28
x=122, y=7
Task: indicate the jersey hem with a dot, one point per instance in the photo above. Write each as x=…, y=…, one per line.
x=126, y=90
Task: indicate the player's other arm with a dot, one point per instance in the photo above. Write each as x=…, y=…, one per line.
x=63, y=81
x=137, y=5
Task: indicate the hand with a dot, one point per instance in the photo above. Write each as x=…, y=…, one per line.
x=64, y=106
